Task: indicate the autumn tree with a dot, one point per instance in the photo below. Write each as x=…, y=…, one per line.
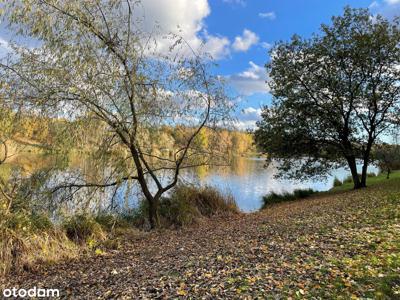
x=97, y=63
x=334, y=94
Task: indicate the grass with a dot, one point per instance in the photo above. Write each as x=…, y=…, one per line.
x=273, y=197
x=26, y=241
x=186, y=205
x=371, y=181
x=332, y=246
x=28, y=238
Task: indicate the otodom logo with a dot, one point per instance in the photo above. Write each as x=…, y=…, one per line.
x=31, y=293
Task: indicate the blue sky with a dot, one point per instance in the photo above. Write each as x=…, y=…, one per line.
x=270, y=21
x=238, y=34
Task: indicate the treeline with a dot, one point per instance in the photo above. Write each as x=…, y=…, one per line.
x=54, y=134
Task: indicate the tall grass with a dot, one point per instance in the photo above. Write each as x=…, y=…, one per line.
x=187, y=204
x=277, y=198
x=84, y=229
x=30, y=240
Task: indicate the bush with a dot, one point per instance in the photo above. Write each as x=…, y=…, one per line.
x=110, y=222
x=349, y=179
x=83, y=228
x=277, y=198
x=29, y=239
x=185, y=206
x=208, y=200
x=337, y=182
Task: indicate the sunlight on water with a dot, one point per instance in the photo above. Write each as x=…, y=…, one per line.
x=247, y=179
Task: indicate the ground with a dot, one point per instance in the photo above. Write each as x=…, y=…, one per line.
x=344, y=245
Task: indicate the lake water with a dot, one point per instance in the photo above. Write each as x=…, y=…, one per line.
x=247, y=179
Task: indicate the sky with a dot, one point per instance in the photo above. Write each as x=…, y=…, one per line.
x=239, y=34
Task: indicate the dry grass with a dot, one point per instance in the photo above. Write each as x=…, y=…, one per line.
x=20, y=251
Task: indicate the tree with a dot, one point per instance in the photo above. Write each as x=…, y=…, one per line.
x=97, y=63
x=388, y=157
x=334, y=95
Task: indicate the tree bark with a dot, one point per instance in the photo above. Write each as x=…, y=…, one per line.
x=153, y=213
x=366, y=157
x=364, y=174
x=351, y=160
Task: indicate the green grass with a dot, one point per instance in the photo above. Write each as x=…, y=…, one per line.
x=370, y=181
x=278, y=198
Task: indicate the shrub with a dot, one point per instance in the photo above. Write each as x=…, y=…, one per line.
x=29, y=239
x=337, y=182
x=349, y=179
x=83, y=228
x=110, y=222
x=277, y=198
x=185, y=205
x=208, y=200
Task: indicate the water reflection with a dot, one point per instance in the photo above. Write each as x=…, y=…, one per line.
x=246, y=179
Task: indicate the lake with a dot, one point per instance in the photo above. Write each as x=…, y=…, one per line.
x=247, y=179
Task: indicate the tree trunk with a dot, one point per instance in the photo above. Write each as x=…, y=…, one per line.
x=364, y=174
x=388, y=173
x=153, y=213
x=366, y=156
x=354, y=174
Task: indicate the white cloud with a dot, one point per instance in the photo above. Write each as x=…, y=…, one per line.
x=244, y=125
x=386, y=8
x=5, y=47
x=5, y=44
x=252, y=113
x=266, y=45
x=373, y=5
x=392, y=1
x=244, y=42
x=218, y=47
x=241, y=2
x=248, y=117
x=185, y=18
x=250, y=81
x=268, y=15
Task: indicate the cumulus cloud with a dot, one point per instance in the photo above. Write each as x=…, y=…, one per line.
x=250, y=81
x=185, y=18
x=245, y=41
x=248, y=117
x=268, y=15
x=251, y=113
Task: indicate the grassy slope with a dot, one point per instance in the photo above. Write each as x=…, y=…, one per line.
x=343, y=245
x=370, y=181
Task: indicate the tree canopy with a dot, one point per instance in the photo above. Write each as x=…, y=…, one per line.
x=335, y=95
x=98, y=66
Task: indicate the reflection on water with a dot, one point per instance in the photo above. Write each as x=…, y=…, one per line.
x=246, y=179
